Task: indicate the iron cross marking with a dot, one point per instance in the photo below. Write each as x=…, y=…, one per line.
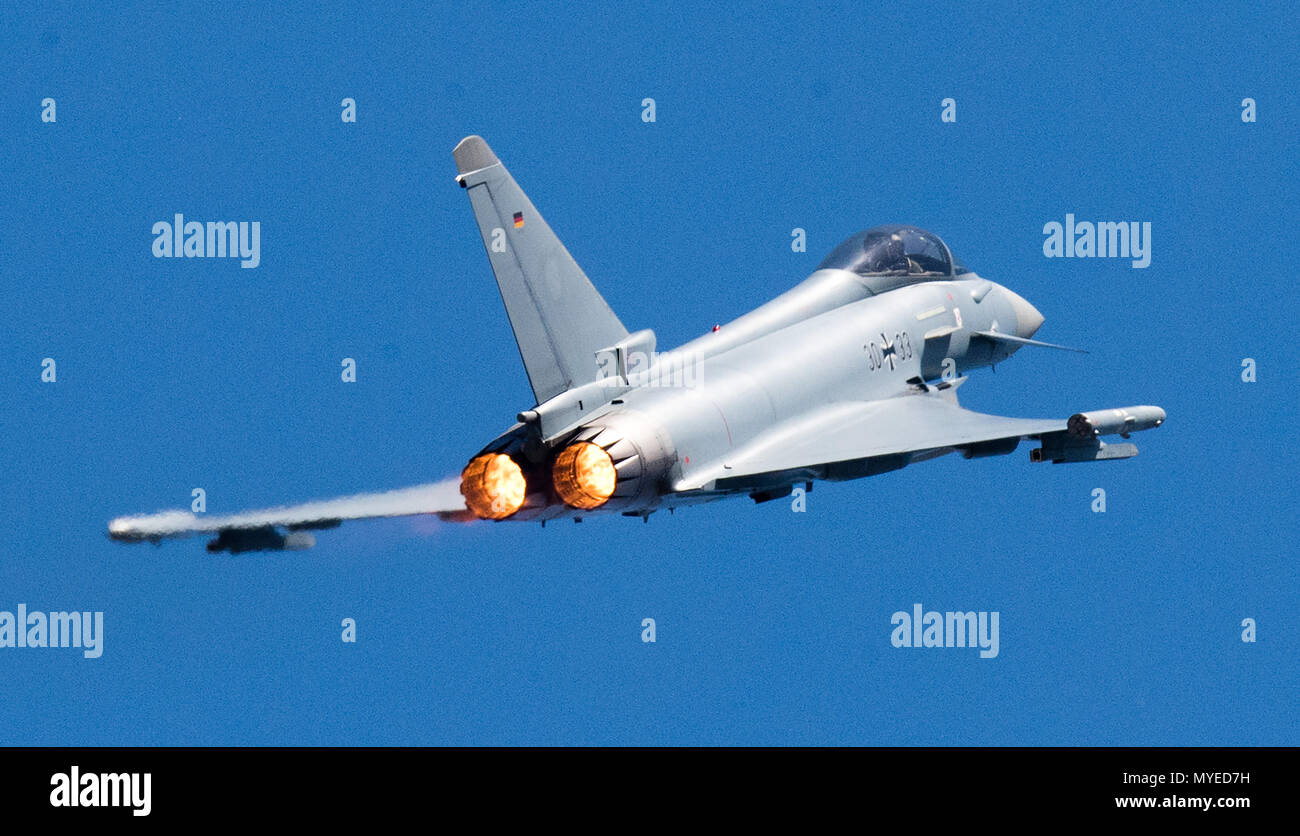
x=887, y=350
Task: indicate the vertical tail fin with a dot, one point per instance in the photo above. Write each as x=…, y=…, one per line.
x=559, y=319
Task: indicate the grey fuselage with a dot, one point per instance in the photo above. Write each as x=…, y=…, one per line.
x=833, y=338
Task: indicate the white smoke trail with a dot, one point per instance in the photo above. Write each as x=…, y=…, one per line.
x=431, y=498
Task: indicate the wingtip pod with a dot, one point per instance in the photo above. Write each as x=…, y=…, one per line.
x=1081, y=439
x=472, y=154
x=1121, y=421
x=149, y=526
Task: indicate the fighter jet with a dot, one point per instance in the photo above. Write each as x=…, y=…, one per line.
x=853, y=372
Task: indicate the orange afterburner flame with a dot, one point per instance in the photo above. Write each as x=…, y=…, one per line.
x=493, y=486
x=584, y=475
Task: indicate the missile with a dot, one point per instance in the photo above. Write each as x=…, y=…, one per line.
x=260, y=539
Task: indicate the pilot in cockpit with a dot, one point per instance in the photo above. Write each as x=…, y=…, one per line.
x=892, y=251
x=891, y=256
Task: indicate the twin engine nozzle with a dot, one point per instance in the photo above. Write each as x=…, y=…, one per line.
x=618, y=462
x=494, y=484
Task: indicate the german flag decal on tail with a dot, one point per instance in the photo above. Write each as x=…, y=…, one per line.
x=519, y=220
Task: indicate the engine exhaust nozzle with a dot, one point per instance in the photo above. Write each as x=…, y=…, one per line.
x=584, y=475
x=493, y=486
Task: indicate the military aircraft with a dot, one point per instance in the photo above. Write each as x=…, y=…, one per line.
x=853, y=372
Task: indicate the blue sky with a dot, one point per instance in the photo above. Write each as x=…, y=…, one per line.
x=772, y=626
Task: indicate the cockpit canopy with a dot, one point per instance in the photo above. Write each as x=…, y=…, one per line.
x=903, y=252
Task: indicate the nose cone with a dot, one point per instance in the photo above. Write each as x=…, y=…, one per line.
x=1028, y=319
